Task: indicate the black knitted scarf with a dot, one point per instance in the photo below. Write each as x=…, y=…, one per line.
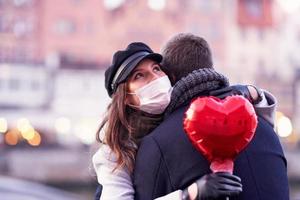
x=198, y=83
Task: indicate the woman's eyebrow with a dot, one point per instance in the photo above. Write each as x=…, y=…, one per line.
x=156, y=64
x=136, y=70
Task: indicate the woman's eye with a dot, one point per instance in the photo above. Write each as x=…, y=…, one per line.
x=138, y=75
x=156, y=69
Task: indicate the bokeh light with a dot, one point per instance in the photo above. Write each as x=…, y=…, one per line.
x=36, y=140
x=112, y=4
x=11, y=137
x=23, y=125
x=62, y=125
x=284, y=125
x=157, y=5
x=3, y=125
x=28, y=134
x=86, y=129
x=289, y=6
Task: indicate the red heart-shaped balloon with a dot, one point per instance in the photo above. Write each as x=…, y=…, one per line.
x=220, y=129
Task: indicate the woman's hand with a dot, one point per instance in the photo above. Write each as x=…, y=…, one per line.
x=250, y=92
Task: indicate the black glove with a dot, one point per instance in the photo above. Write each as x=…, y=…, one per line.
x=233, y=90
x=217, y=185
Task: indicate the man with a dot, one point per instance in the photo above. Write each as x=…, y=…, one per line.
x=167, y=161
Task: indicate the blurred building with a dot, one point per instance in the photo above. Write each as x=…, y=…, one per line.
x=240, y=32
x=79, y=102
x=24, y=86
x=55, y=48
x=20, y=31
x=74, y=29
x=250, y=35
x=81, y=30
x=64, y=100
x=209, y=20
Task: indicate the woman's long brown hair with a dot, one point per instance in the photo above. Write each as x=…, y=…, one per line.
x=118, y=131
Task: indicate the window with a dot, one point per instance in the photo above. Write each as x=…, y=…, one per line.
x=20, y=28
x=243, y=33
x=14, y=84
x=4, y=24
x=35, y=85
x=261, y=34
x=210, y=7
x=254, y=8
x=64, y=27
x=89, y=26
x=20, y=54
x=215, y=31
x=19, y=3
x=76, y=1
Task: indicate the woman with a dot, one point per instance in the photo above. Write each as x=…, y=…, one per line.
x=140, y=92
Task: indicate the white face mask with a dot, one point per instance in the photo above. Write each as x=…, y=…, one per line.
x=155, y=96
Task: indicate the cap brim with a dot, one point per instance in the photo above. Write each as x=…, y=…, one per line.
x=126, y=73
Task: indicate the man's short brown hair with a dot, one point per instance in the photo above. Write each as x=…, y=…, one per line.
x=185, y=53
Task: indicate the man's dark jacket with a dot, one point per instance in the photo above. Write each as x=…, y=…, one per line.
x=167, y=161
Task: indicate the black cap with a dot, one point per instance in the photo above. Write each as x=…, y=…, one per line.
x=124, y=62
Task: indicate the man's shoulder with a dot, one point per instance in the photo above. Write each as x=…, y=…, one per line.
x=265, y=137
